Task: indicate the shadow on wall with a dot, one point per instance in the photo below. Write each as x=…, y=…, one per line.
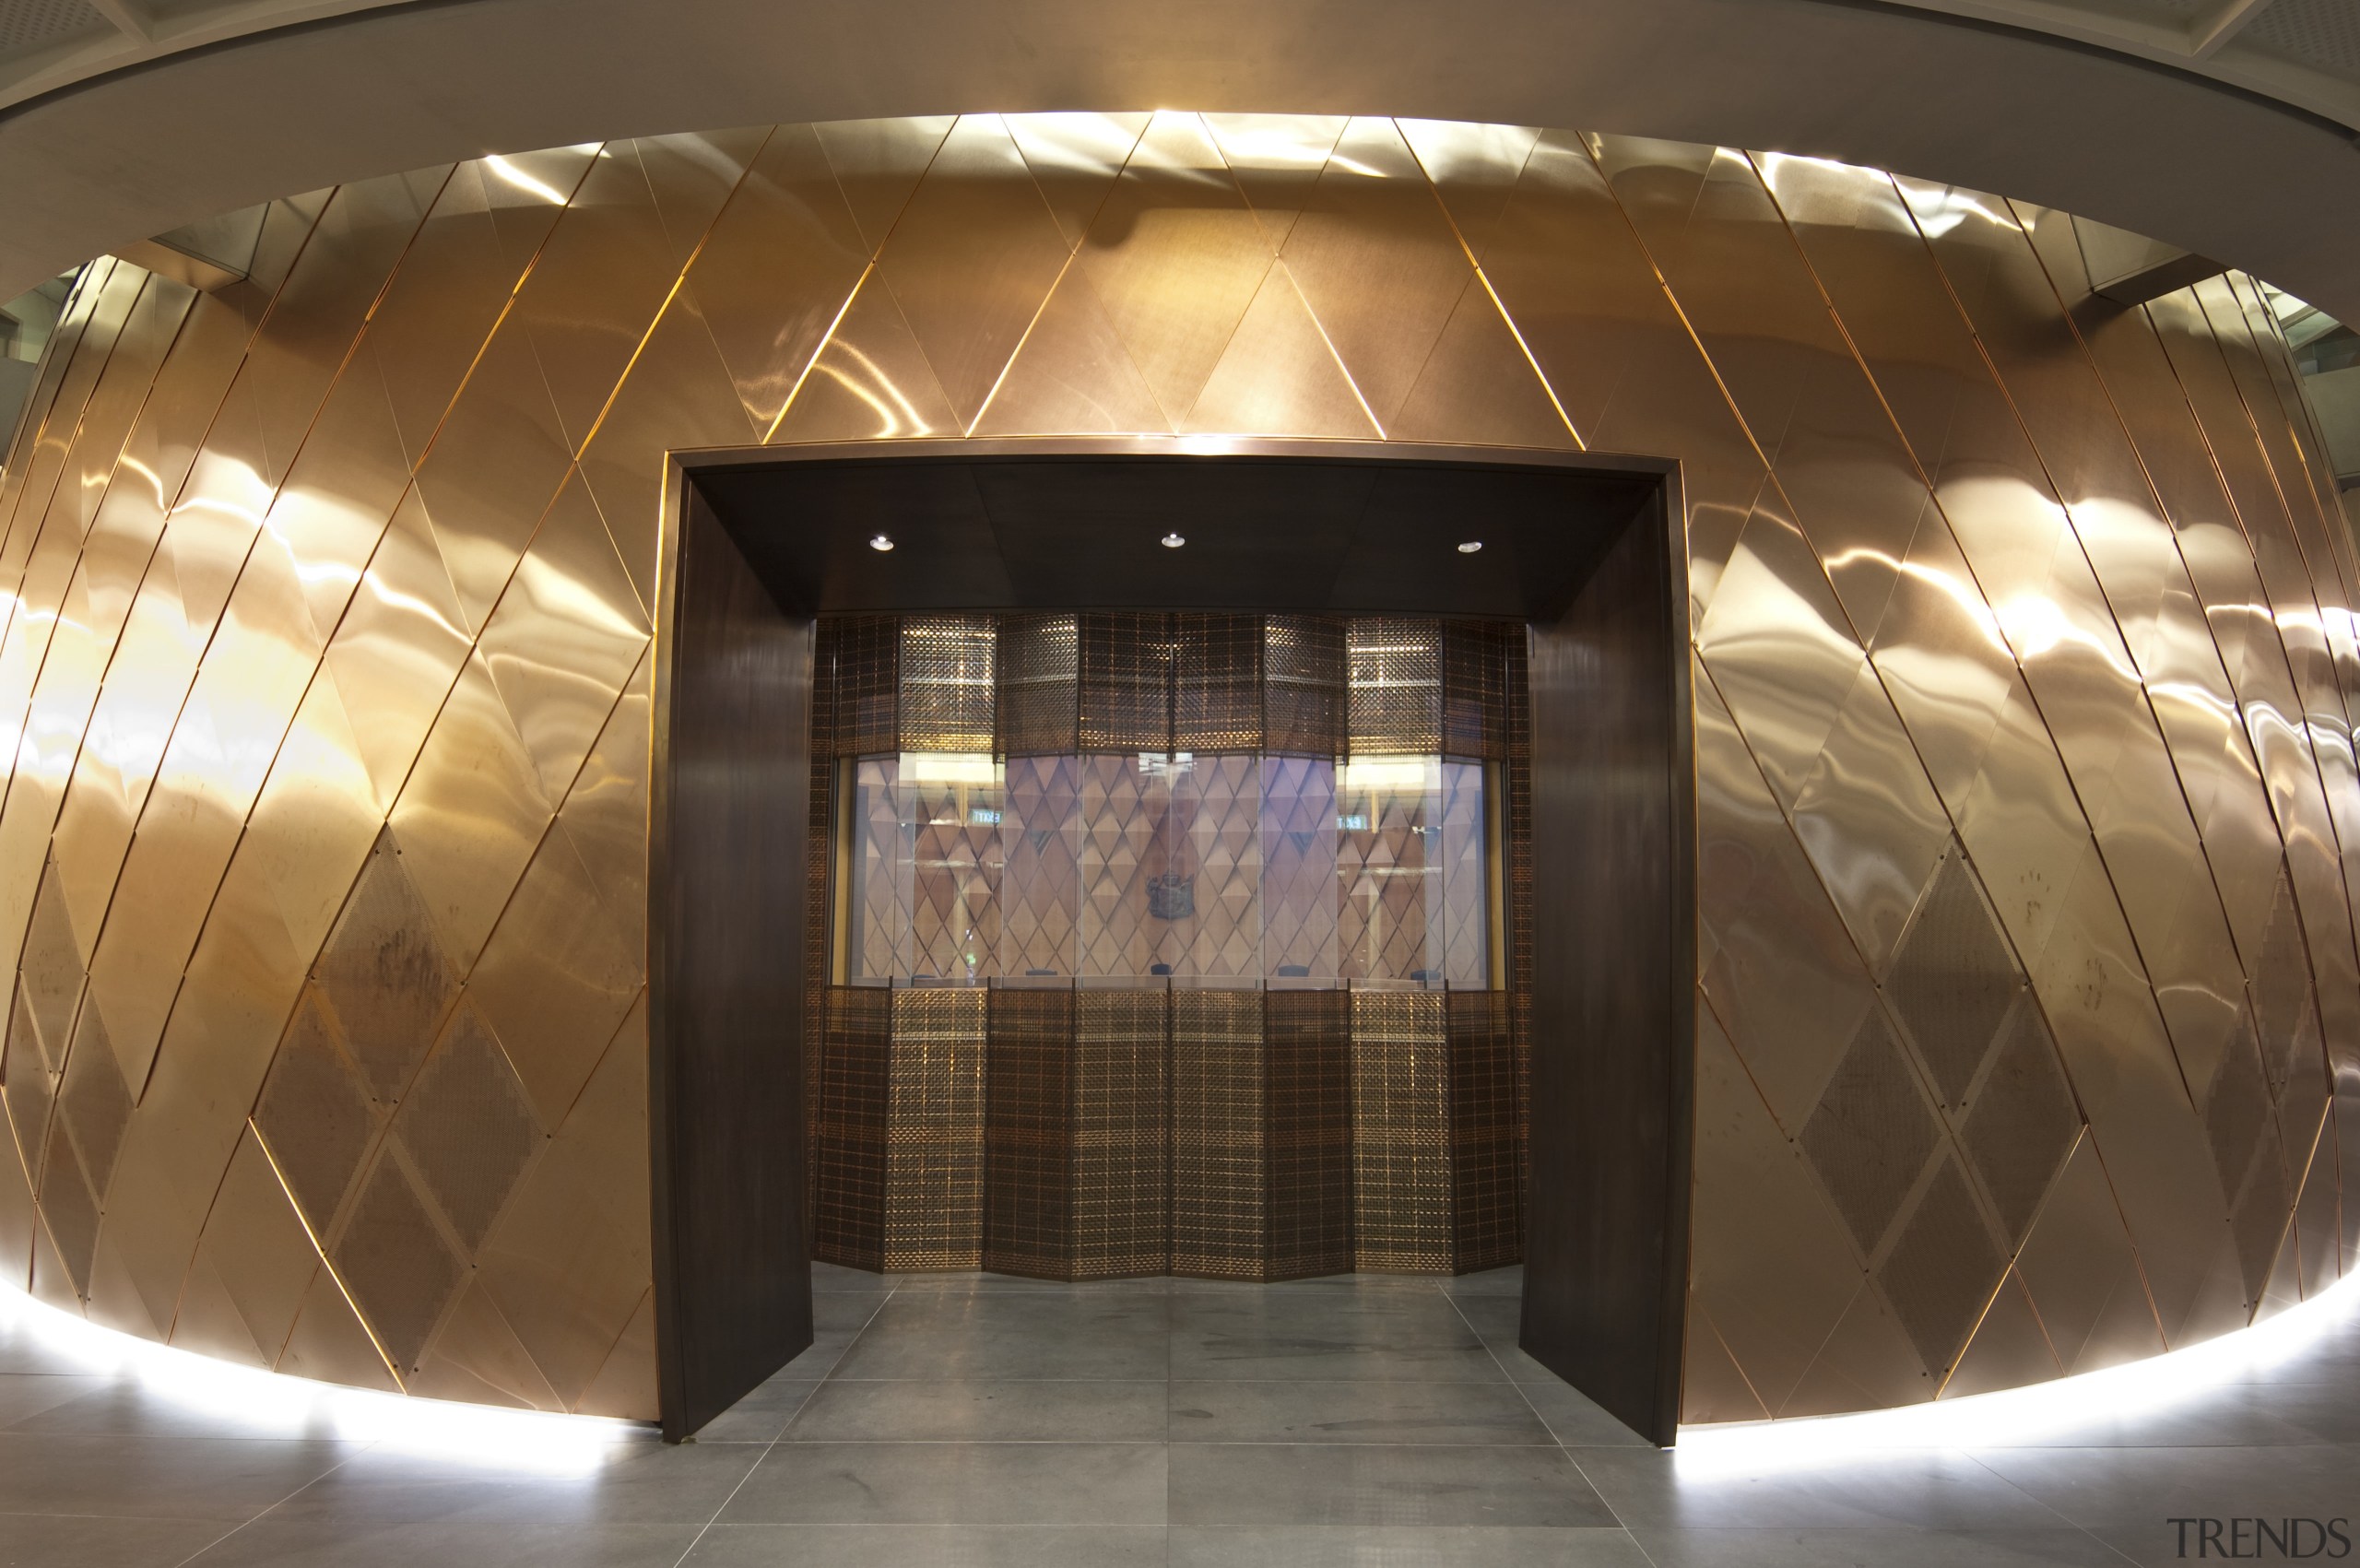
x=2023, y=642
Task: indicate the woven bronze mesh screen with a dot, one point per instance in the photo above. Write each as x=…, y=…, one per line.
x=1039, y=1129
x=849, y=1220
x=1121, y=1193
x=1219, y=1179
x=946, y=690
x=1126, y=682
x=1515, y=859
x=819, y=869
x=1401, y=1186
x=862, y=668
x=1217, y=683
x=1394, y=663
x=1486, y=1210
x=1039, y=690
x=1302, y=685
x=1307, y=1131
x=1028, y=1133
x=934, y=1162
x=1475, y=689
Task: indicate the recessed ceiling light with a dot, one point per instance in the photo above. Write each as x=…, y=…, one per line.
x=1172, y=541
x=1471, y=547
x=881, y=541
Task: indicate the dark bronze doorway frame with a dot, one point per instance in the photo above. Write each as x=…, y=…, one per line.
x=1614, y=911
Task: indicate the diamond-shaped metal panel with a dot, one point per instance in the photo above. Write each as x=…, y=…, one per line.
x=315, y=1115
x=1871, y=1132
x=384, y=973
x=1951, y=980
x=1941, y=1272
x=2022, y=1122
x=469, y=1128
x=399, y=1269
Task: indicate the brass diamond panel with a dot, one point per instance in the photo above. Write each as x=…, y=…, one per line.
x=1871, y=1134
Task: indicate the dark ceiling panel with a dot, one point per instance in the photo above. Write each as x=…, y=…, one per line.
x=1060, y=531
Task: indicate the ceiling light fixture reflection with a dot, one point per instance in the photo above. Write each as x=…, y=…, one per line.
x=1172, y=541
x=525, y=181
x=880, y=542
x=1470, y=547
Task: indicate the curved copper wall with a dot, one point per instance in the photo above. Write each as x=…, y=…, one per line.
x=2025, y=661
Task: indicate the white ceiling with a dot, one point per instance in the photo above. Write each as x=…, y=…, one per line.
x=2302, y=52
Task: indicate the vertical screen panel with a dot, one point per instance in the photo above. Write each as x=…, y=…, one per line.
x=1613, y=913
x=728, y=862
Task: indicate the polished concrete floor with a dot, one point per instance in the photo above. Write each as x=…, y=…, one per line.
x=967, y=1421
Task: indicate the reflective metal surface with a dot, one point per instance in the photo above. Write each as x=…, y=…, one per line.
x=2025, y=670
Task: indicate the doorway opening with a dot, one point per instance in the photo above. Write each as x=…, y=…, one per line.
x=1082, y=859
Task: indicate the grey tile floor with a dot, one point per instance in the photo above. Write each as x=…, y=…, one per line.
x=964, y=1419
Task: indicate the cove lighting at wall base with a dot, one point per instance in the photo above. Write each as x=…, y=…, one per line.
x=2038, y=1414
x=275, y=1405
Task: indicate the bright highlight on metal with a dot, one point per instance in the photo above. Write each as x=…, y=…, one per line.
x=278, y=1405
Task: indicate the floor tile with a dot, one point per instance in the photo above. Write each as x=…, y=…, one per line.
x=1876, y=1548
x=125, y=1409
x=1934, y=1488
x=2144, y=1486
x=158, y=1477
x=654, y=1484
x=1574, y=1419
x=1508, y=1281
x=1408, y=1545
x=1302, y=1410
x=82, y=1541
x=1008, y=1337
x=934, y=1546
x=834, y=1278
x=954, y=1483
x=24, y=1395
x=1407, y=1339
x=825, y=1352
x=272, y=1542
x=983, y=1411
x=843, y=1311
x=761, y=1416
x=1221, y=1483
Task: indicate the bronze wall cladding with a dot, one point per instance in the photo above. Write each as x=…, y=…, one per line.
x=361, y=549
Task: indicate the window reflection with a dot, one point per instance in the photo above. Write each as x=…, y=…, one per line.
x=965, y=870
